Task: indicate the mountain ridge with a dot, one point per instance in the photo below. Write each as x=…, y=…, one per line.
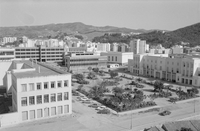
x=70, y=28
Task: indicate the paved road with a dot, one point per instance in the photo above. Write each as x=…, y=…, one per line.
x=85, y=118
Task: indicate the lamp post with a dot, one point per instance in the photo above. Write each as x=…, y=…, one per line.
x=194, y=106
x=131, y=120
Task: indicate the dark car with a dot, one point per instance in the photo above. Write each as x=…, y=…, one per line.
x=104, y=111
x=164, y=113
x=93, y=105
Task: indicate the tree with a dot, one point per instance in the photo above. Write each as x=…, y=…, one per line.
x=91, y=75
x=113, y=74
x=97, y=91
x=158, y=86
x=96, y=69
x=117, y=91
x=90, y=68
x=79, y=77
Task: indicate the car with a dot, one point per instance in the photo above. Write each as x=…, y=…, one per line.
x=94, y=105
x=101, y=107
x=164, y=113
x=86, y=101
x=104, y=111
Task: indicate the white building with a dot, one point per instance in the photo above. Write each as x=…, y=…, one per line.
x=120, y=58
x=9, y=39
x=181, y=68
x=138, y=46
x=7, y=53
x=38, y=92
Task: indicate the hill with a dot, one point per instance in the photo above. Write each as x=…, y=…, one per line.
x=57, y=30
x=190, y=34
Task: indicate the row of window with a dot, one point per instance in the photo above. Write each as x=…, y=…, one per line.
x=46, y=112
x=25, y=101
x=83, y=60
x=109, y=58
x=46, y=85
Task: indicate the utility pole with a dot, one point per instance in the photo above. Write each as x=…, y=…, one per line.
x=194, y=106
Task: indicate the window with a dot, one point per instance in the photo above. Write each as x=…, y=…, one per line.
x=65, y=83
x=24, y=101
x=115, y=58
x=39, y=99
x=108, y=58
x=46, y=98
x=59, y=84
x=24, y=87
x=31, y=87
x=38, y=86
x=31, y=100
x=59, y=97
x=45, y=85
x=53, y=97
x=52, y=84
x=66, y=96
x=112, y=58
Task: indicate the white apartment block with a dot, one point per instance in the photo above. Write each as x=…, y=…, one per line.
x=8, y=39
x=181, y=68
x=38, y=92
x=138, y=46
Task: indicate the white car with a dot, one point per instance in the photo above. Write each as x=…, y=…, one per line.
x=84, y=99
x=101, y=107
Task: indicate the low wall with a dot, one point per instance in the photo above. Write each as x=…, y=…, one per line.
x=9, y=119
x=187, y=100
x=137, y=110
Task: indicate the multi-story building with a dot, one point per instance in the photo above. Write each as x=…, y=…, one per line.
x=160, y=50
x=123, y=48
x=80, y=61
x=7, y=53
x=38, y=91
x=8, y=39
x=42, y=54
x=181, y=68
x=114, y=47
x=120, y=58
x=138, y=46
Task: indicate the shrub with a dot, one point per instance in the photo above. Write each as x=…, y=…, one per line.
x=83, y=82
x=113, y=74
x=96, y=70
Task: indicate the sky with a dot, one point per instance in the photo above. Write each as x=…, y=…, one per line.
x=134, y=14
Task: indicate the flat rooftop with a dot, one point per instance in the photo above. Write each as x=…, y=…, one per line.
x=40, y=70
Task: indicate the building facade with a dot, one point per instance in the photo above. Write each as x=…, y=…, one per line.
x=120, y=58
x=81, y=61
x=7, y=53
x=181, y=68
x=38, y=91
x=42, y=54
x=138, y=46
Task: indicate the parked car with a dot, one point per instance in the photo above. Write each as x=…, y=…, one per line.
x=86, y=101
x=94, y=105
x=164, y=113
x=101, y=107
x=104, y=111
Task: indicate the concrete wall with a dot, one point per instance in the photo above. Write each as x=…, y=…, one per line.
x=9, y=119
